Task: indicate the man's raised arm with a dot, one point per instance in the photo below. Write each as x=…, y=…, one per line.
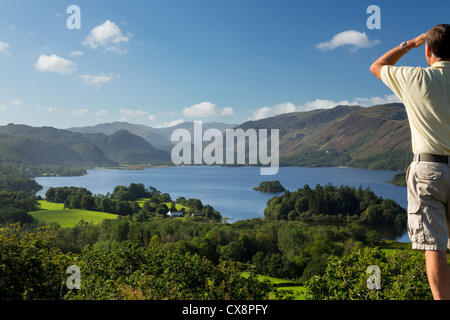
x=391, y=57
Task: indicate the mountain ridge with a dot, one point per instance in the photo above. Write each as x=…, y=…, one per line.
x=376, y=137
x=158, y=137
x=47, y=145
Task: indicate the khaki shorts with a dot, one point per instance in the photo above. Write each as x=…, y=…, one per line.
x=428, y=205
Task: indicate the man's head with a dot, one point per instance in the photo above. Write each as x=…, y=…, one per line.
x=438, y=41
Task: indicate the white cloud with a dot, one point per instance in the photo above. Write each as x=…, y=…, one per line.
x=133, y=112
x=97, y=80
x=288, y=107
x=76, y=53
x=266, y=112
x=352, y=38
x=367, y=102
x=169, y=124
x=47, y=109
x=127, y=114
x=207, y=109
x=16, y=102
x=3, y=107
x=101, y=113
x=79, y=112
x=108, y=36
x=53, y=63
x=4, y=47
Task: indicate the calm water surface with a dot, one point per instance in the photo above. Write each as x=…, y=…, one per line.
x=229, y=190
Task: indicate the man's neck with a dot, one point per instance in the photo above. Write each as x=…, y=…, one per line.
x=434, y=59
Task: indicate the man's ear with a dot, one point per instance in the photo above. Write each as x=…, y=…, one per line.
x=428, y=53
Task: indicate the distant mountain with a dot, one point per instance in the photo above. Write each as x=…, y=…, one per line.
x=157, y=137
x=47, y=145
x=190, y=127
x=21, y=150
x=127, y=148
x=376, y=137
x=151, y=135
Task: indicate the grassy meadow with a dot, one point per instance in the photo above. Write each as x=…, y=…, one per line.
x=55, y=213
x=291, y=289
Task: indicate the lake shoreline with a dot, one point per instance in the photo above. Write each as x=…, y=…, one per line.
x=230, y=189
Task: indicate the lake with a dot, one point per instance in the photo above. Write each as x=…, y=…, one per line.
x=230, y=189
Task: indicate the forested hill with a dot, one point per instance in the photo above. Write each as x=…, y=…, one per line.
x=21, y=144
x=377, y=137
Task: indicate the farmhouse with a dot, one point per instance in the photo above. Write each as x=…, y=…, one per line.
x=198, y=214
x=175, y=214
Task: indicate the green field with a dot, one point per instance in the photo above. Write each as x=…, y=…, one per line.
x=296, y=290
x=55, y=213
x=141, y=202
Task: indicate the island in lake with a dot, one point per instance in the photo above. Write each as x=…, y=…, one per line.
x=270, y=187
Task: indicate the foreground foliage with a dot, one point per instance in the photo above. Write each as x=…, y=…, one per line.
x=32, y=268
x=126, y=271
x=402, y=275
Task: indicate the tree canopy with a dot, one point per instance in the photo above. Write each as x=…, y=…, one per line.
x=333, y=204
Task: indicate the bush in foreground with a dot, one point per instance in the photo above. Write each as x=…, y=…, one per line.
x=32, y=268
x=402, y=275
x=126, y=271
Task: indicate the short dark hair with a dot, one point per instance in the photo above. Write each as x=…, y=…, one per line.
x=438, y=39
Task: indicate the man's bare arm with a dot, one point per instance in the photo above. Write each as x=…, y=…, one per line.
x=391, y=57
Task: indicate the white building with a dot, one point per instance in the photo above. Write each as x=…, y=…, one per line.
x=175, y=214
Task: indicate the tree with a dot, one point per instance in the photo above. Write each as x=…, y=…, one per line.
x=30, y=267
x=270, y=186
x=162, y=209
x=14, y=215
x=291, y=241
x=138, y=190
x=50, y=194
x=328, y=203
x=164, y=198
x=402, y=277
x=87, y=202
x=123, y=208
x=73, y=202
x=107, y=205
x=126, y=271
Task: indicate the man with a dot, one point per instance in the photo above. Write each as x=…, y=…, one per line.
x=425, y=92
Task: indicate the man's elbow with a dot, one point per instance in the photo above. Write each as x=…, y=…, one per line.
x=376, y=70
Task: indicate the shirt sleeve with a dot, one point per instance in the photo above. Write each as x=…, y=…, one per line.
x=398, y=79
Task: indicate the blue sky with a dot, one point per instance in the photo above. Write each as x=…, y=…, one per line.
x=162, y=62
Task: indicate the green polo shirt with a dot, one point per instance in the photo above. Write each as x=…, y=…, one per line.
x=425, y=92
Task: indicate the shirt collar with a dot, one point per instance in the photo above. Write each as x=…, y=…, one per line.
x=441, y=64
